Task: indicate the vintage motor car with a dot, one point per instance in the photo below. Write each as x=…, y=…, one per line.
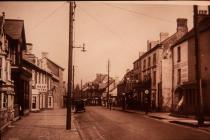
x=79, y=105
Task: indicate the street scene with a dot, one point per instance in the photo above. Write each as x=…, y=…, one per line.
x=105, y=70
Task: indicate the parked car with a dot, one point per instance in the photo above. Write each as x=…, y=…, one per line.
x=79, y=105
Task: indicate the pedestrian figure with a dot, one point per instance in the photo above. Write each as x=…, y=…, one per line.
x=146, y=101
x=110, y=104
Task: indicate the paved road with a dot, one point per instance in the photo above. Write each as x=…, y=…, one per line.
x=45, y=125
x=99, y=123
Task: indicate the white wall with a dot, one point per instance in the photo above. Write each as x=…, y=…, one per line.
x=183, y=64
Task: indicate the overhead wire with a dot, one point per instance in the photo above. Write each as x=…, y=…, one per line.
x=139, y=13
x=102, y=24
x=47, y=17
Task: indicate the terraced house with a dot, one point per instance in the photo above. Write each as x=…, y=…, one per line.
x=56, y=84
x=152, y=71
x=186, y=100
x=42, y=97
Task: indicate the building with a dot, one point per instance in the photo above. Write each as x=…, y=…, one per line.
x=126, y=91
x=56, y=84
x=7, y=93
x=151, y=72
x=42, y=97
x=185, y=98
x=166, y=64
x=14, y=29
x=96, y=92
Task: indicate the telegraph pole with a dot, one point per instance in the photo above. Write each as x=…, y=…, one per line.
x=108, y=87
x=200, y=116
x=73, y=82
x=69, y=92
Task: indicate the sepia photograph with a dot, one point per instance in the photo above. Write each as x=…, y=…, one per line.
x=105, y=70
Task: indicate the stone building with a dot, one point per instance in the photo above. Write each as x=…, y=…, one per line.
x=185, y=98
x=166, y=64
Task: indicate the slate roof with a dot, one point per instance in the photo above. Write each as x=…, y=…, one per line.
x=14, y=28
x=53, y=63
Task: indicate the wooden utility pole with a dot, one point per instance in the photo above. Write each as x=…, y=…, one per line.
x=73, y=82
x=69, y=93
x=108, y=87
x=200, y=116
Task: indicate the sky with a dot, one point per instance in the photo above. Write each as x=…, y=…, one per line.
x=117, y=31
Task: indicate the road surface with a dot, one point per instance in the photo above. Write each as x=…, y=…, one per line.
x=99, y=123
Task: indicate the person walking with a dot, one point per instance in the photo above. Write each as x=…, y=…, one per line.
x=146, y=101
x=110, y=104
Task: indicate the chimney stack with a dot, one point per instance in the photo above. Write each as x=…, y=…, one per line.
x=151, y=44
x=163, y=36
x=44, y=54
x=182, y=25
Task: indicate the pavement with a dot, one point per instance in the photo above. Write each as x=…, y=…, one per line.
x=167, y=117
x=44, y=125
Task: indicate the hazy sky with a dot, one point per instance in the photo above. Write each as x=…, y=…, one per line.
x=117, y=31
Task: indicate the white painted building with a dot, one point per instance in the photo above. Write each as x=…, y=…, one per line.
x=42, y=96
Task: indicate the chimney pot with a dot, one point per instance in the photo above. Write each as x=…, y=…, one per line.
x=182, y=25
